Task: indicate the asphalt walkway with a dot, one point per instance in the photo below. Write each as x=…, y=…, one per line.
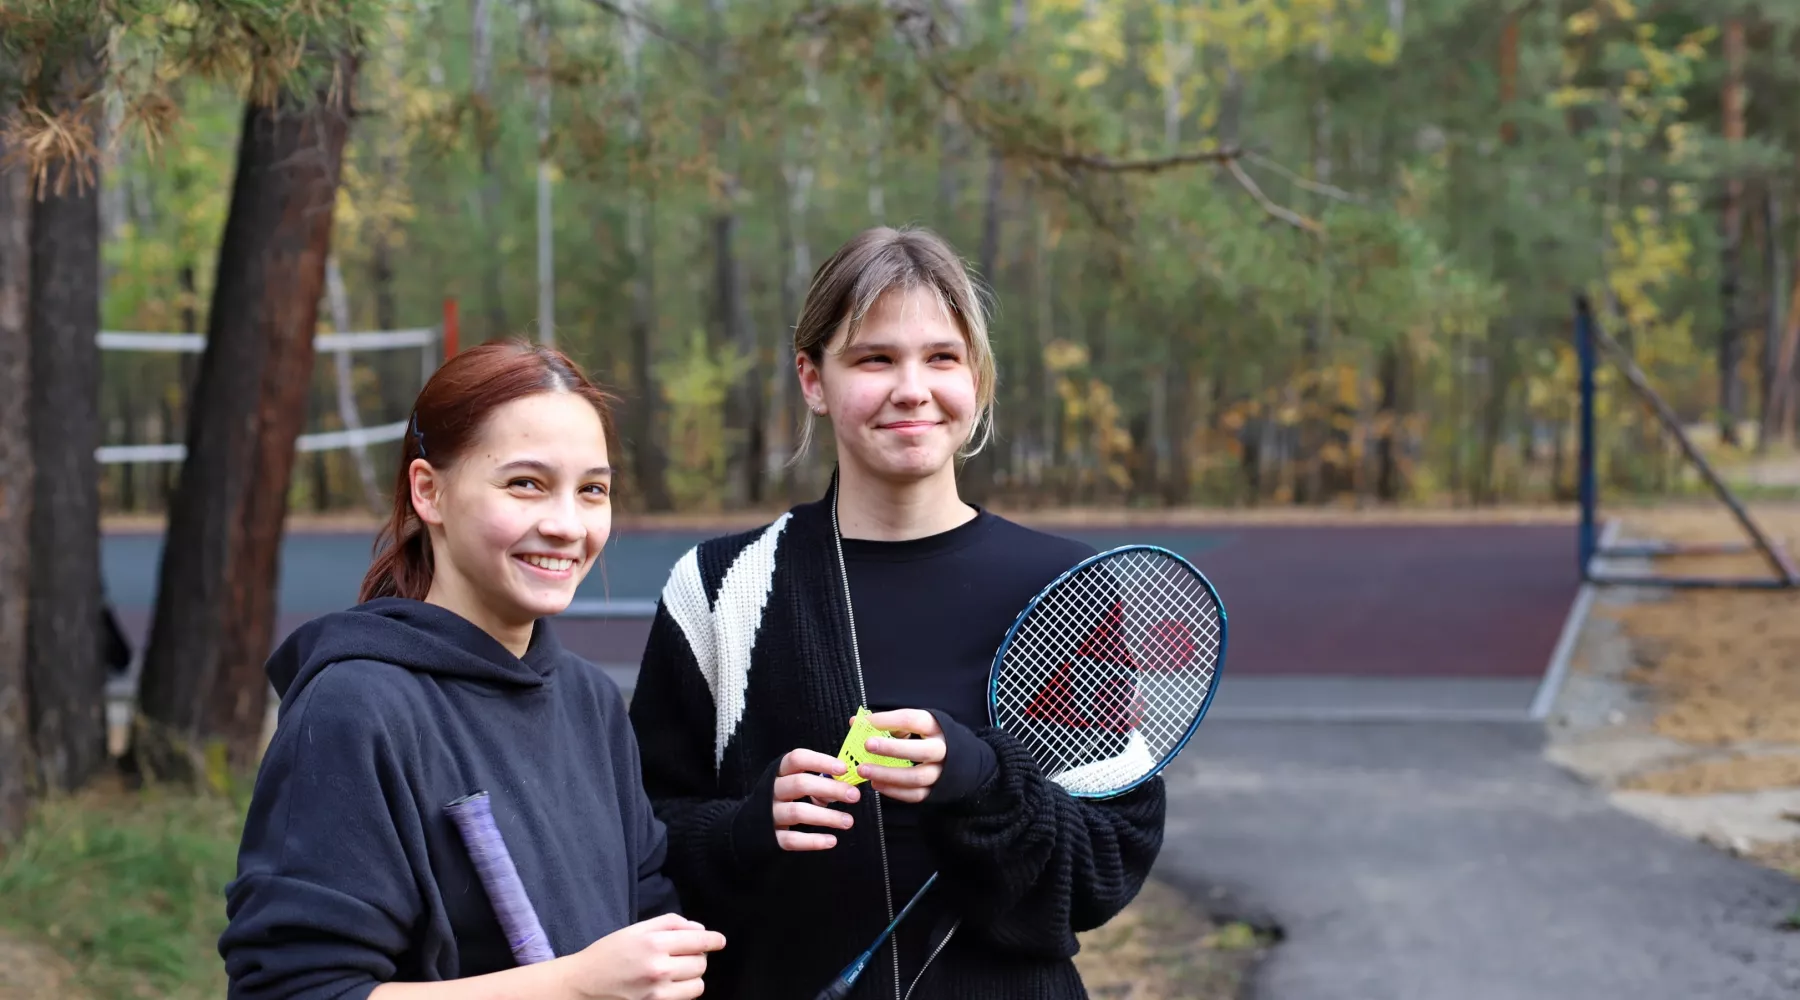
x=1452, y=862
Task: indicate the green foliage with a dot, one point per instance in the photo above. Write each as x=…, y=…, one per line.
x=694, y=385
x=1408, y=205
x=129, y=887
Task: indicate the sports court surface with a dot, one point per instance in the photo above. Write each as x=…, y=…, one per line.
x=1326, y=621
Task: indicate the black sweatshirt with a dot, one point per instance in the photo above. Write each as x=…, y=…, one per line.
x=750, y=656
x=351, y=875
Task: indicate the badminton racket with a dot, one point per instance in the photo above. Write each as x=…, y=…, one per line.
x=474, y=819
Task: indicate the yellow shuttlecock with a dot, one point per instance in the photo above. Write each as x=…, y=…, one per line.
x=855, y=751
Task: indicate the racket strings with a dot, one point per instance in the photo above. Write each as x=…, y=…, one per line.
x=1106, y=674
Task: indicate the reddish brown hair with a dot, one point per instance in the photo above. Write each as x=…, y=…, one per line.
x=448, y=415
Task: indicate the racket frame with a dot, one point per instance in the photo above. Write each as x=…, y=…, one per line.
x=1052, y=587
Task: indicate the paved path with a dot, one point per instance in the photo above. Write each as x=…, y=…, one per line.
x=1451, y=862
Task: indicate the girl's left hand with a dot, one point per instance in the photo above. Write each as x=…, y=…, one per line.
x=926, y=751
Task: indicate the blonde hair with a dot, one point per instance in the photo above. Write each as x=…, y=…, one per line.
x=882, y=260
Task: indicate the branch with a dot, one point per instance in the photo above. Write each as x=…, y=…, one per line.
x=1143, y=165
x=919, y=27
x=650, y=24
x=1315, y=187
x=1286, y=215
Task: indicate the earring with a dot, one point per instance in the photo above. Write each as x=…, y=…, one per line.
x=819, y=409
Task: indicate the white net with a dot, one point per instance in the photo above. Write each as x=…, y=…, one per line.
x=1104, y=678
x=354, y=434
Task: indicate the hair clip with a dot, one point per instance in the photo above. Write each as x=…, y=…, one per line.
x=418, y=436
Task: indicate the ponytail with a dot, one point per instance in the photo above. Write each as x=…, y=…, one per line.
x=402, y=563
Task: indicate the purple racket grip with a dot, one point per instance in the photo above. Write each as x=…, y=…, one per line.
x=474, y=818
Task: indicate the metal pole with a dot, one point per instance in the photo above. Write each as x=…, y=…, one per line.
x=1584, y=353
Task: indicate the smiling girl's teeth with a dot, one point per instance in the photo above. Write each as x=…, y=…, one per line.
x=549, y=563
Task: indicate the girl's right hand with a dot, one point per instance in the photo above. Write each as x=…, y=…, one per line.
x=800, y=777
x=662, y=958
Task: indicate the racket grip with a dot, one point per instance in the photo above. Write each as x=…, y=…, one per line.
x=846, y=980
x=474, y=819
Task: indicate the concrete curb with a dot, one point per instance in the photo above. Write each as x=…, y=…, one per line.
x=1570, y=639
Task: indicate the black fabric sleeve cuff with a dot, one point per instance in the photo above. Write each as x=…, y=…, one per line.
x=753, y=828
x=968, y=761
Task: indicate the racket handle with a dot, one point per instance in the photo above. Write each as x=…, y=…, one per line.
x=845, y=982
x=474, y=819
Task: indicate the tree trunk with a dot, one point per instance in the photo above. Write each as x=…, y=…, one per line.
x=979, y=473
x=1178, y=423
x=16, y=755
x=487, y=193
x=1787, y=373
x=648, y=461
x=388, y=146
x=546, y=224
x=1509, y=78
x=1731, y=348
x=215, y=611
x=797, y=178
x=878, y=127
x=1500, y=367
x=66, y=675
x=1775, y=320
x=952, y=146
x=1314, y=426
x=743, y=404
x=1388, y=484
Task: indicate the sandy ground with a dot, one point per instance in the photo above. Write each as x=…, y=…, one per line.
x=1686, y=703
x=1162, y=948
x=1722, y=666
x=30, y=971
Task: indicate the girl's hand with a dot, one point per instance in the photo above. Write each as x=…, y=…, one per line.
x=906, y=784
x=800, y=778
x=663, y=958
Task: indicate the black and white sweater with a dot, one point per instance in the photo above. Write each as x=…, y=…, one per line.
x=750, y=656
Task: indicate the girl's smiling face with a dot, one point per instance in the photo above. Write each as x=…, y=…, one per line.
x=519, y=520
x=902, y=396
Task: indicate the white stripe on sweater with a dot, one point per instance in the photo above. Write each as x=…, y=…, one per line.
x=723, y=636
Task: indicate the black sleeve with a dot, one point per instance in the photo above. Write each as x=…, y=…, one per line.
x=968, y=761
x=326, y=888
x=715, y=841
x=1031, y=866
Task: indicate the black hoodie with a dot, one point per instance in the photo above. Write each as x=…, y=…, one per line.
x=350, y=874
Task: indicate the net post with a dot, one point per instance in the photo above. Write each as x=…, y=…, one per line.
x=1785, y=571
x=1584, y=466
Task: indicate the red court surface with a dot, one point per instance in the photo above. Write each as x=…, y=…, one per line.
x=1458, y=601
x=1468, y=601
